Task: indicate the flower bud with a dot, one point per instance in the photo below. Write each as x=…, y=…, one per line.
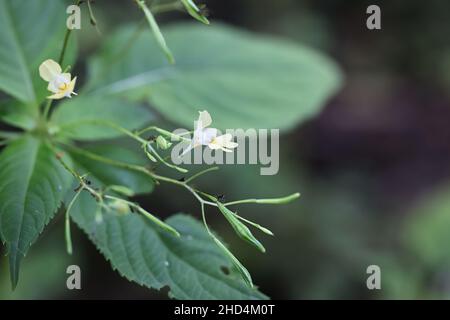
x=162, y=143
x=121, y=207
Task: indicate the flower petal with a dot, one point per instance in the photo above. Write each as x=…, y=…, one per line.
x=71, y=86
x=204, y=120
x=231, y=145
x=223, y=142
x=49, y=69
x=57, y=96
x=67, y=92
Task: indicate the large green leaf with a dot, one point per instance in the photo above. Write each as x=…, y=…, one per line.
x=243, y=79
x=32, y=185
x=141, y=252
x=74, y=117
x=43, y=273
x=30, y=32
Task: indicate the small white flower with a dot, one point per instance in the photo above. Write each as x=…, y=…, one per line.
x=61, y=84
x=208, y=136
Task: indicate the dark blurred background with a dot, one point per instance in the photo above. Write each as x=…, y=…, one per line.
x=373, y=168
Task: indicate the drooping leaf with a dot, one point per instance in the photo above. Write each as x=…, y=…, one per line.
x=74, y=117
x=32, y=186
x=30, y=32
x=243, y=79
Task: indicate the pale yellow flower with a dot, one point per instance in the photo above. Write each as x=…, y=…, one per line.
x=209, y=136
x=61, y=84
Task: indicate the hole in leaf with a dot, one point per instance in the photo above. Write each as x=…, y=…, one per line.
x=225, y=270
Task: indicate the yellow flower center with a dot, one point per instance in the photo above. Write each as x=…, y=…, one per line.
x=63, y=87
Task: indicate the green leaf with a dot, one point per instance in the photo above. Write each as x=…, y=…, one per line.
x=32, y=186
x=241, y=229
x=143, y=253
x=111, y=175
x=426, y=231
x=136, y=239
x=122, y=190
x=244, y=80
x=18, y=114
x=30, y=32
x=74, y=117
x=41, y=277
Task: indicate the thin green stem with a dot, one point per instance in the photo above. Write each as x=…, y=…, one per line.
x=49, y=103
x=100, y=197
x=67, y=222
x=134, y=136
x=66, y=40
x=184, y=185
x=64, y=48
x=156, y=31
x=137, y=168
x=147, y=214
x=109, y=161
x=202, y=206
x=161, y=159
x=242, y=270
x=195, y=176
x=167, y=7
x=174, y=137
x=47, y=108
x=80, y=179
x=92, y=17
x=142, y=169
x=281, y=200
x=263, y=229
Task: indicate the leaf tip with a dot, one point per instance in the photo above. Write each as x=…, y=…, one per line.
x=14, y=266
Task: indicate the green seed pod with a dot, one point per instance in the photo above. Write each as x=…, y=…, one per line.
x=241, y=230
